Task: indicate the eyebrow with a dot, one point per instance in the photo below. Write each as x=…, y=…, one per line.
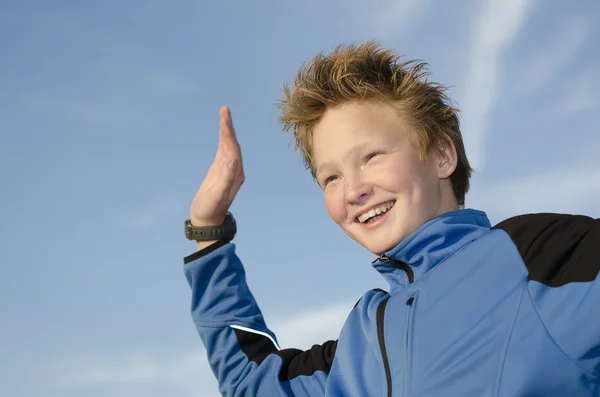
x=325, y=165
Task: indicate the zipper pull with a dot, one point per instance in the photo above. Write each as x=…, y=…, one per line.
x=410, y=301
x=382, y=258
x=399, y=265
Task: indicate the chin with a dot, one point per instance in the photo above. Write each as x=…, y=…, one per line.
x=377, y=242
x=380, y=247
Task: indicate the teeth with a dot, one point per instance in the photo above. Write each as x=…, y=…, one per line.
x=376, y=211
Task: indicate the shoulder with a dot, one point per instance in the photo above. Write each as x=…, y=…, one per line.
x=556, y=248
x=371, y=296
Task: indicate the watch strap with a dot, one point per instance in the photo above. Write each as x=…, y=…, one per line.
x=224, y=231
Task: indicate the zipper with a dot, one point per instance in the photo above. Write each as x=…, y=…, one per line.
x=380, y=324
x=407, y=343
x=399, y=265
x=381, y=337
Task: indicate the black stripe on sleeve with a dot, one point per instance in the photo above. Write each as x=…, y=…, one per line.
x=557, y=249
x=255, y=346
x=295, y=362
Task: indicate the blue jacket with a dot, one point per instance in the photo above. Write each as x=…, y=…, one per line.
x=512, y=310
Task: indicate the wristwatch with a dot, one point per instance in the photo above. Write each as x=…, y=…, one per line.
x=224, y=231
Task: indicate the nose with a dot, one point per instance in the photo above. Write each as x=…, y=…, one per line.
x=357, y=191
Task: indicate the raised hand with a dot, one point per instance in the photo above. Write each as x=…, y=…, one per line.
x=222, y=182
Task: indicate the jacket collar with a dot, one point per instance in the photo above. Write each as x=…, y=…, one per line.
x=429, y=245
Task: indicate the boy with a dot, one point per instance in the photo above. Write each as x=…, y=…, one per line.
x=472, y=310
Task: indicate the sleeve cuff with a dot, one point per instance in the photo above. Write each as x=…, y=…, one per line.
x=204, y=251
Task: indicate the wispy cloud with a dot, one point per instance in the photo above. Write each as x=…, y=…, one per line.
x=556, y=55
x=497, y=25
x=188, y=374
x=312, y=327
x=399, y=16
x=583, y=94
x=569, y=190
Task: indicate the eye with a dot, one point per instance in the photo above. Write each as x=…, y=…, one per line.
x=330, y=179
x=370, y=156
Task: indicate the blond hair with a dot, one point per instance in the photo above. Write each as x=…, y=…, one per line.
x=368, y=72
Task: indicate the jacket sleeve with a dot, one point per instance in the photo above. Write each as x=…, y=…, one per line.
x=243, y=353
x=562, y=255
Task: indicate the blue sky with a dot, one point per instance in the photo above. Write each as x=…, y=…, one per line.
x=109, y=120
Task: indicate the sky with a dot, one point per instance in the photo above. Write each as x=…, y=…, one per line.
x=109, y=121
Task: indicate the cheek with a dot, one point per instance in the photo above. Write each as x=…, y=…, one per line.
x=396, y=178
x=335, y=206
x=418, y=186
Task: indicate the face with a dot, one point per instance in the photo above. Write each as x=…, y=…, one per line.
x=376, y=187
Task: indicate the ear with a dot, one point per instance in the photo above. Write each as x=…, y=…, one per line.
x=446, y=159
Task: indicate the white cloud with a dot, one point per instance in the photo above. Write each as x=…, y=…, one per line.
x=138, y=367
x=316, y=326
x=188, y=374
x=572, y=190
x=557, y=54
x=580, y=99
x=582, y=94
x=497, y=26
x=399, y=16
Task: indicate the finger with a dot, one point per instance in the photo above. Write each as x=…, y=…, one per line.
x=221, y=132
x=225, y=114
x=227, y=138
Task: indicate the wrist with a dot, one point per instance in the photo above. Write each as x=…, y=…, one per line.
x=208, y=233
x=204, y=244
x=205, y=251
x=207, y=222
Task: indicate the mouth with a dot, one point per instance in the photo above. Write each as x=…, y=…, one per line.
x=376, y=213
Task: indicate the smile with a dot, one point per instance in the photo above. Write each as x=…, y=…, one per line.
x=375, y=213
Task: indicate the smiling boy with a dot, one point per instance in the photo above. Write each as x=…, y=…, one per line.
x=472, y=310
x=376, y=187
